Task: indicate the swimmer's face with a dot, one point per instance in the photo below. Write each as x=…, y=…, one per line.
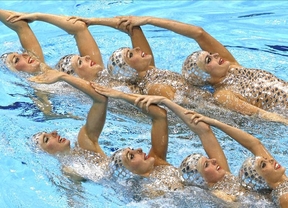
x=212, y=64
x=22, y=62
x=137, y=161
x=210, y=170
x=53, y=143
x=85, y=68
x=137, y=59
x=269, y=169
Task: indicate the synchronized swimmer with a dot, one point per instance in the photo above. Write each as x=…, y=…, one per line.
x=247, y=91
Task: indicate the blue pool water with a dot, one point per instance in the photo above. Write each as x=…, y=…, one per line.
x=254, y=31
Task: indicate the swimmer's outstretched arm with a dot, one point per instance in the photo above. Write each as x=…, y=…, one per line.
x=90, y=132
x=229, y=100
x=159, y=131
x=206, y=135
x=248, y=141
x=26, y=36
x=136, y=34
x=85, y=42
x=204, y=39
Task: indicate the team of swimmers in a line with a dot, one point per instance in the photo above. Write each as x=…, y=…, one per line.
x=247, y=91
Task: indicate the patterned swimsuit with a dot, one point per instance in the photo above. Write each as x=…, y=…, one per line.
x=173, y=79
x=279, y=191
x=230, y=184
x=166, y=176
x=258, y=87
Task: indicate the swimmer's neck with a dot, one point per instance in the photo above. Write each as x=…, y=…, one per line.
x=214, y=81
x=142, y=73
x=280, y=181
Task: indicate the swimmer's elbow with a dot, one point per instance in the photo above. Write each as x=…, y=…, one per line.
x=162, y=113
x=255, y=146
x=198, y=32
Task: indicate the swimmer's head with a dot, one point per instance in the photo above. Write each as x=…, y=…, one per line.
x=51, y=142
x=65, y=64
x=192, y=72
x=131, y=160
x=118, y=67
x=25, y=62
x=189, y=170
x=4, y=56
x=250, y=178
x=116, y=165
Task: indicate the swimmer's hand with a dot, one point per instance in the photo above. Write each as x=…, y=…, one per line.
x=130, y=21
x=48, y=77
x=22, y=16
x=108, y=92
x=197, y=117
x=87, y=21
x=148, y=100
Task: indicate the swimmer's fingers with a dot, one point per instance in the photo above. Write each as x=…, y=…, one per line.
x=108, y=92
x=195, y=118
x=189, y=112
x=75, y=19
x=138, y=99
x=33, y=79
x=21, y=16
x=49, y=77
x=36, y=79
x=123, y=27
x=121, y=19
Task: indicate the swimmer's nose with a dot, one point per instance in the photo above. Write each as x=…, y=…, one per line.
x=87, y=58
x=139, y=150
x=213, y=161
x=54, y=133
x=215, y=55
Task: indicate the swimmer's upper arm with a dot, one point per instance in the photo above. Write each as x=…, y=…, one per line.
x=26, y=36
x=284, y=200
x=236, y=103
x=89, y=134
x=162, y=90
x=159, y=135
x=212, y=45
x=233, y=102
x=138, y=39
x=87, y=45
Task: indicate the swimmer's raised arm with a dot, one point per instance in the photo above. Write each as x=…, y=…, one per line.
x=204, y=39
x=159, y=132
x=136, y=34
x=85, y=41
x=90, y=132
x=248, y=141
x=206, y=135
x=26, y=36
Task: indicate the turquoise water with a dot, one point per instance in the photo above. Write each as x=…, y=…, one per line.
x=254, y=31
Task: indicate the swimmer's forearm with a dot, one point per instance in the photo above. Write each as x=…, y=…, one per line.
x=246, y=140
x=204, y=39
x=84, y=86
x=153, y=111
x=110, y=22
x=272, y=116
x=60, y=21
x=181, y=28
x=129, y=98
